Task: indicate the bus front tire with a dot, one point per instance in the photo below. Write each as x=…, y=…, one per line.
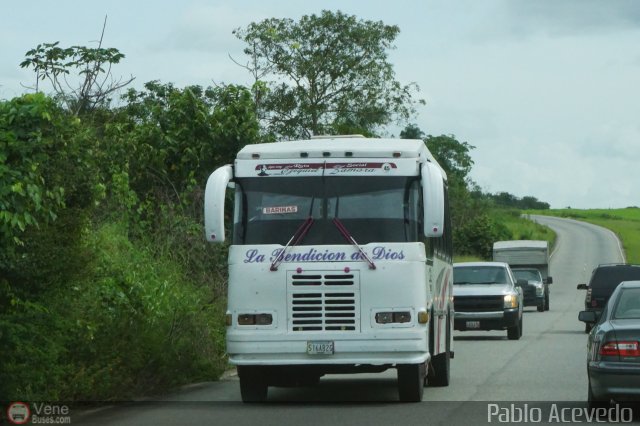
x=411, y=382
x=439, y=371
x=253, y=384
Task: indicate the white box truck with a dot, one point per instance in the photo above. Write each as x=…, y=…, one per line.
x=529, y=260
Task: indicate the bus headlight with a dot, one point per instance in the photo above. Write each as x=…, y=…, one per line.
x=384, y=317
x=255, y=319
x=393, y=317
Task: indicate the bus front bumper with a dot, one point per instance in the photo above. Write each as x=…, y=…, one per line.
x=351, y=351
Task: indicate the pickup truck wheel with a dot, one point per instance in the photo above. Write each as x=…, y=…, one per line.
x=546, y=301
x=541, y=307
x=411, y=382
x=439, y=371
x=521, y=329
x=515, y=332
x=253, y=384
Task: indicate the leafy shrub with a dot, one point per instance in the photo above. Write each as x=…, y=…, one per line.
x=476, y=236
x=130, y=325
x=141, y=325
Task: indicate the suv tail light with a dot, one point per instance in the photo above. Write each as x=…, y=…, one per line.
x=622, y=349
x=588, y=297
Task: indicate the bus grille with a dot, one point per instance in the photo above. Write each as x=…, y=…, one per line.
x=324, y=301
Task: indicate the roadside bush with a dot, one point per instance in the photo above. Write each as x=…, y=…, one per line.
x=476, y=236
x=140, y=326
x=33, y=345
x=129, y=325
x=521, y=227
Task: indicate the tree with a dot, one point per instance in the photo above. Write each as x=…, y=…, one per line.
x=92, y=65
x=325, y=74
x=412, y=131
x=473, y=228
x=167, y=140
x=45, y=165
x=506, y=199
x=452, y=155
x=530, y=202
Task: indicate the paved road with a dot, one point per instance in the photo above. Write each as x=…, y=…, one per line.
x=546, y=364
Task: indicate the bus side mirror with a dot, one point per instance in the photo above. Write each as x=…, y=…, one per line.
x=433, y=200
x=214, y=195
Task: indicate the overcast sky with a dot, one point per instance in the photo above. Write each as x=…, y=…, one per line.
x=548, y=91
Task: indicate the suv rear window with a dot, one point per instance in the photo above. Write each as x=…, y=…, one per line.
x=606, y=278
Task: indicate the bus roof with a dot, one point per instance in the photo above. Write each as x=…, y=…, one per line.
x=338, y=147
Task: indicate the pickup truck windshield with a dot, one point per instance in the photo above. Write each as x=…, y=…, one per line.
x=479, y=275
x=372, y=208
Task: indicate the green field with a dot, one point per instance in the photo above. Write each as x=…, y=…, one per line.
x=625, y=223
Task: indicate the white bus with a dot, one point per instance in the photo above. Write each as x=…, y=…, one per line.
x=340, y=262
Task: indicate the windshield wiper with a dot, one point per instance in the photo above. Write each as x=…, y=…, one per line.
x=345, y=233
x=294, y=240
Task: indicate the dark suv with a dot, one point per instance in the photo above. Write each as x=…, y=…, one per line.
x=605, y=279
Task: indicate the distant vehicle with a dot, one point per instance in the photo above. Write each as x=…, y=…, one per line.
x=535, y=292
x=524, y=257
x=613, y=351
x=604, y=280
x=486, y=296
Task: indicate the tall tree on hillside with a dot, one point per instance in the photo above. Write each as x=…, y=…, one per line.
x=325, y=74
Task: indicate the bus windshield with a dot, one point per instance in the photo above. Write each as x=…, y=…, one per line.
x=372, y=209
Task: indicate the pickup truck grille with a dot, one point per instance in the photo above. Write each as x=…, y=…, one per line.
x=478, y=303
x=323, y=301
x=529, y=293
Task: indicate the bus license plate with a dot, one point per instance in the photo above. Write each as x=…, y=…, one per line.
x=324, y=347
x=473, y=324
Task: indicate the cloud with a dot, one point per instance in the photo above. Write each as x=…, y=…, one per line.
x=565, y=17
x=613, y=141
x=519, y=20
x=205, y=28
